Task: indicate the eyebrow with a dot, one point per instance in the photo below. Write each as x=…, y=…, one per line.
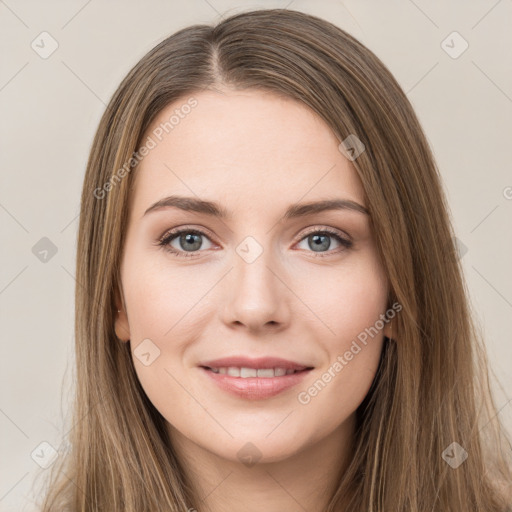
x=193, y=204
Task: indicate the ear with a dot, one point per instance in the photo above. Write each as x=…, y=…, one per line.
x=388, y=329
x=121, y=325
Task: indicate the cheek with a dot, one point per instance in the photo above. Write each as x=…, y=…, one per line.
x=357, y=304
x=350, y=302
x=168, y=312
x=163, y=323
x=162, y=299
x=348, y=298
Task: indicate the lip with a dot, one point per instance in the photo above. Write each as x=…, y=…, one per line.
x=258, y=363
x=255, y=388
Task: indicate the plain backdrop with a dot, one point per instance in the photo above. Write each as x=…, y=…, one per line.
x=50, y=108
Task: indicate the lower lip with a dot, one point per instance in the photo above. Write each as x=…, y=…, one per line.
x=255, y=388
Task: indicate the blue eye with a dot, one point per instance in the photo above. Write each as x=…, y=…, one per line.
x=321, y=240
x=188, y=239
x=190, y=242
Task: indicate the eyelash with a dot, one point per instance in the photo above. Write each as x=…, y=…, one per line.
x=164, y=241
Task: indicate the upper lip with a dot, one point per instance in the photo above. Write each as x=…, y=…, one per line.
x=258, y=363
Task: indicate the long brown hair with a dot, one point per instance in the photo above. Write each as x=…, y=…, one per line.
x=432, y=387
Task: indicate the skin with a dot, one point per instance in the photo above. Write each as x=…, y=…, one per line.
x=255, y=153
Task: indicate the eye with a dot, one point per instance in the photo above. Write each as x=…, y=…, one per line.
x=189, y=240
x=318, y=241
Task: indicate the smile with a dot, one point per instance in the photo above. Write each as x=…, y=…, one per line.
x=252, y=383
x=244, y=373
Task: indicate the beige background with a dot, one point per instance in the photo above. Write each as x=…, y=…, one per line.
x=50, y=110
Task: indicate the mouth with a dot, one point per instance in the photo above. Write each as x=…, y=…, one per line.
x=244, y=367
x=244, y=372
x=254, y=379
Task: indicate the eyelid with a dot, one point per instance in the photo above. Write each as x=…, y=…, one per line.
x=319, y=228
x=176, y=231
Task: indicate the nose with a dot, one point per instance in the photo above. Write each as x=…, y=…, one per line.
x=256, y=296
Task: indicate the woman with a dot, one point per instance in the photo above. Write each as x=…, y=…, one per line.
x=270, y=311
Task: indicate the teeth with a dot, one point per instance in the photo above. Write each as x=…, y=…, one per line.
x=244, y=373
x=233, y=372
x=264, y=372
x=249, y=372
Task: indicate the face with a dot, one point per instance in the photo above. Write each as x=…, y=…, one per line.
x=254, y=283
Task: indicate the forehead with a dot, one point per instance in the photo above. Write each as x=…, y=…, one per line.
x=247, y=149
